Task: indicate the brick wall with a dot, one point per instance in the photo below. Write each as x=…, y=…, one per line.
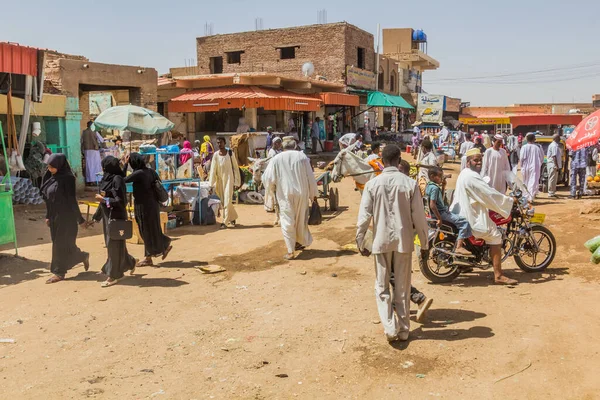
x=329, y=47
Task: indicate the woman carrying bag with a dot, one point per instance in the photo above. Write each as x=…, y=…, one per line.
x=113, y=213
x=62, y=217
x=147, y=209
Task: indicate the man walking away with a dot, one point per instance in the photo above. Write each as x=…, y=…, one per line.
x=90, y=147
x=578, y=167
x=292, y=179
x=532, y=158
x=394, y=203
x=553, y=164
x=512, y=146
x=464, y=147
x=314, y=134
x=496, y=165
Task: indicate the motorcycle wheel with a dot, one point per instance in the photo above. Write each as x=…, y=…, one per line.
x=527, y=260
x=438, y=268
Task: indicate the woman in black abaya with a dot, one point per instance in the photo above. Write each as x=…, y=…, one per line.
x=147, y=211
x=62, y=216
x=113, y=205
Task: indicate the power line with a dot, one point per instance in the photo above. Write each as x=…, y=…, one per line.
x=565, y=68
x=521, y=82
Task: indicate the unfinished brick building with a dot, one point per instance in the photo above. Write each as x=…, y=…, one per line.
x=330, y=47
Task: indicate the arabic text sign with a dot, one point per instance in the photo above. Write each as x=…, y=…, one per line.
x=430, y=108
x=360, y=78
x=485, y=121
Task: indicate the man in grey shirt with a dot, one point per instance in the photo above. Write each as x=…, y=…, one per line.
x=393, y=202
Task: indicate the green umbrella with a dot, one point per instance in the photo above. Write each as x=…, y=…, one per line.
x=133, y=118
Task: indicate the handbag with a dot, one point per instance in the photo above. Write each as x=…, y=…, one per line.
x=315, y=217
x=119, y=229
x=159, y=190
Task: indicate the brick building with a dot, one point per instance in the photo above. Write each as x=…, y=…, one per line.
x=330, y=47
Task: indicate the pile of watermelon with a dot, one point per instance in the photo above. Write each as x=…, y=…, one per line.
x=593, y=245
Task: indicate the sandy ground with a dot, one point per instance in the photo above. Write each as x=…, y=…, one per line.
x=303, y=329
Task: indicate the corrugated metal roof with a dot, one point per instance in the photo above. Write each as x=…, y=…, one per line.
x=215, y=99
x=16, y=59
x=162, y=81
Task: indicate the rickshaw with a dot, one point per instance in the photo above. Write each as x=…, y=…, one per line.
x=563, y=173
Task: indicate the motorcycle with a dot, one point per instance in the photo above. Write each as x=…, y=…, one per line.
x=525, y=238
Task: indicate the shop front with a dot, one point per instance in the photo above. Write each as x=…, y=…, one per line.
x=547, y=124
x=490, y=124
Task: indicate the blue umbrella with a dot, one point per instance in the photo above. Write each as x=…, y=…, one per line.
x=133, y=118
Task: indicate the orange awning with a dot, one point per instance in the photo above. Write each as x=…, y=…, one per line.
x=215, y=99
x=340, y=99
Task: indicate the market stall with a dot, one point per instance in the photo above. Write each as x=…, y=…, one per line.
x=8, y=233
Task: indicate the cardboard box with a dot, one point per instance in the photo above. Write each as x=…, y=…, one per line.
x=137, y=239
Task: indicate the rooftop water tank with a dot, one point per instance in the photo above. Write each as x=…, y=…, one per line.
x=419, y=36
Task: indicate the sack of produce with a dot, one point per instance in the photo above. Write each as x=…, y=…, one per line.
x=596, y=256
x=592, y=244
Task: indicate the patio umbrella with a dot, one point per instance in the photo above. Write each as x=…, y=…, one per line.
x=133, y=118
x=586, y=134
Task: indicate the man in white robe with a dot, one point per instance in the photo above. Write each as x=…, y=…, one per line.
x=292, y=179
x=486, y=139
x=473, y=199
x=531, y=159
x=393, y=202
x=496, y=165
x=464, y=147
x=224, y=179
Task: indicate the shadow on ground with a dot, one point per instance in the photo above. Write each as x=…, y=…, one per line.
x=15, y=269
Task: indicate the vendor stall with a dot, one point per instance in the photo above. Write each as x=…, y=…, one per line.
x=8, y=233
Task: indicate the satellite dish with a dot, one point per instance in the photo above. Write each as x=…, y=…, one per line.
x=308, y=69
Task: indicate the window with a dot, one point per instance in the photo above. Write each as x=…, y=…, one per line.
x=287, y=53
x=216, y=65
x=393, y=82
x=234, y=57
x=361, y=58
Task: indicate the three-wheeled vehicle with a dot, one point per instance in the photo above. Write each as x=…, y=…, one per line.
x=563, y=174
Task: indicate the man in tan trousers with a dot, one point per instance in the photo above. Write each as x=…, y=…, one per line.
x=393, y=201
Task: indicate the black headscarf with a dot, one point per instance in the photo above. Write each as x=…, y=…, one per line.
x=136, y=160
x=111, y=168
x=50, y=182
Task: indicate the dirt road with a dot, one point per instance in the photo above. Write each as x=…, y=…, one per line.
x=302, y=329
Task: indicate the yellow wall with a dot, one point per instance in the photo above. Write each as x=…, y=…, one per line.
x=52, y=105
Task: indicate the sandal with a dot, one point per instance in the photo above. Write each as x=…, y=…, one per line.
x=223, y=226
x=166, y=252
x=289, y=256
x=54, y=279
x=108, y=283
x=300, y=247
x=506, y=281
x=145, y=263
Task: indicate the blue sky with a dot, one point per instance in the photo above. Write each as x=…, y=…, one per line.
x=469, y=38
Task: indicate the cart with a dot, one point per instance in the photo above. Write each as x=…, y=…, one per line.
x=328, y=193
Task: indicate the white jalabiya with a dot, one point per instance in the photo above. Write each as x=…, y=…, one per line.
x=224, y=176
x=495, y=166
x=93, y=165
x=289, y=174
x=473, y=199
x=465, y=146
x=531, y=158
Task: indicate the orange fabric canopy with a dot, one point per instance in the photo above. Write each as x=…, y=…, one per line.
x=215, y=99
x=340, y=99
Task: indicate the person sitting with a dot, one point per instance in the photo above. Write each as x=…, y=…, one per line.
x=434, y=191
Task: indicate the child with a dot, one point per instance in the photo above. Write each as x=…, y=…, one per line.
x=439, y=209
